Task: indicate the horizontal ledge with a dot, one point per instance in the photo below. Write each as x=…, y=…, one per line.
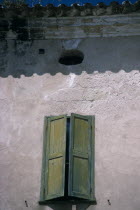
x=80, y=155
x=79, y=27
x=55, y=156
x=79, y=201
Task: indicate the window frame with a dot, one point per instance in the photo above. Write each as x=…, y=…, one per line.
x=71, y=199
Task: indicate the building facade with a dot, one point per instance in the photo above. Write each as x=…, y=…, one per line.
x=105, y=83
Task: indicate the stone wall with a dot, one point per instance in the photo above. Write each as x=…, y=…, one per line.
x=27, y=24
x=106, y=84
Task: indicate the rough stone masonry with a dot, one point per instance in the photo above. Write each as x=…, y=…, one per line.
x=106, y=84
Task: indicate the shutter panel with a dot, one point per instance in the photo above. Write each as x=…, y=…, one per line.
x=42, y=189
x=81, y=157
x=55, y=157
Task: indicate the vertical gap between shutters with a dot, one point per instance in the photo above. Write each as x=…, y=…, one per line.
x=67, y=157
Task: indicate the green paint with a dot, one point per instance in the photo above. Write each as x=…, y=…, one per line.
x=55, y=157
x=81, y=159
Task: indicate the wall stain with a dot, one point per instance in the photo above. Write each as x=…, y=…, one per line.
x=109, y=203
x=26, y=203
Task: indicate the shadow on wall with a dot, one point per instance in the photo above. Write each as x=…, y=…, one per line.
x=65, y=206
x=47, y=56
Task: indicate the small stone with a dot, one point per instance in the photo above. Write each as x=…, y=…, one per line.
x=101, y=5
x=61, y=10
x=114, y=8
x=127, y=7
x=87, y=10
x=75, y=11
x=137, y=6
x=50, y=10
x=100, y=11
x=38, y=10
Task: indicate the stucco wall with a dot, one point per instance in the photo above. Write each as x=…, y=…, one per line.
x=106, y=84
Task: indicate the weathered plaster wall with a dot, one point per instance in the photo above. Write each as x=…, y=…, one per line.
x=106, y=84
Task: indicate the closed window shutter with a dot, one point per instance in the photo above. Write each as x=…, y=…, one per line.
x=81, y=156
x=55, y=157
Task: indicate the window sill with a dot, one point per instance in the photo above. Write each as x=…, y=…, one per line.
x=71, y=201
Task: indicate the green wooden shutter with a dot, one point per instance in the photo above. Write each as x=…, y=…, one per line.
x=81, y=169
x=42, y=189
x=55, y=157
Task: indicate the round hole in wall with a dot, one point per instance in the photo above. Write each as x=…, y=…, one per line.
x=71, y=57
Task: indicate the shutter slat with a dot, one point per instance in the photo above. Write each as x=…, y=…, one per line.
x=81, y=157
x=55, y=157
x=78, y=154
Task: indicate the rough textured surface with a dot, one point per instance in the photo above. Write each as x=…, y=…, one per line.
x=19, y=27
x=106, y=84
x=75, y=10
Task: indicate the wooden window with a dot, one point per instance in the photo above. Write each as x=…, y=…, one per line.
x=68, y=159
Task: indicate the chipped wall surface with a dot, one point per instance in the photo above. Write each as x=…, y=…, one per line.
x=106, y=84
x=32, y=27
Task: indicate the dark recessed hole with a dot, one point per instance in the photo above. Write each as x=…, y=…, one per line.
x=41, y=51
x=71, y=57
